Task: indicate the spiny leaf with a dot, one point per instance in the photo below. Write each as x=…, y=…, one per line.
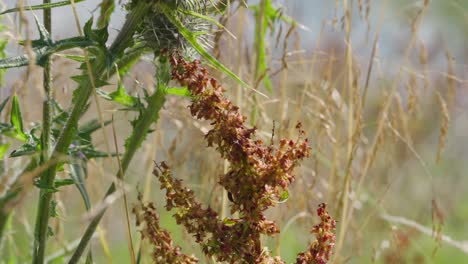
x=132, y=56
x=16, y=119
x=98, y=35
x=90, y=127
x=24, y=150
x=76, y=172
x=120, y=96
x=39, y=7
x=43, y=50
x=43, y=33
x=84, y=78
x=192, y=39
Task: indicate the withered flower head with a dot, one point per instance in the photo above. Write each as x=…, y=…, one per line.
x=259, y=173
x=147, y=219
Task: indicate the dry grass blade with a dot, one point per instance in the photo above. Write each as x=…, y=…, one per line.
x=125, y=203
x=444, y=125
x=461, y=245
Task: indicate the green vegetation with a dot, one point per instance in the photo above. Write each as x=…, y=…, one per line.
x=138, y=149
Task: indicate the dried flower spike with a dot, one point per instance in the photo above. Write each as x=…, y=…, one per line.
x=321, y=249
x=259, y=173
x=147, y=219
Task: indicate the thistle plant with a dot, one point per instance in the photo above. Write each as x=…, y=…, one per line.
x=174, y=32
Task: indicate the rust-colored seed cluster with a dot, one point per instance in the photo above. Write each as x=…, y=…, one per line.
x=147, y=219
x=259, y=174
x=321, y=249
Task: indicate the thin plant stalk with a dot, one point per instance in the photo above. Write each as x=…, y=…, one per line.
x=123, y=40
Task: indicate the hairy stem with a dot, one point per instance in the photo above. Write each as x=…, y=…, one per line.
x=40, y=242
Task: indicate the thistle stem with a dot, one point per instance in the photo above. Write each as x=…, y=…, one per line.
x=123, y=41
x=40, y=232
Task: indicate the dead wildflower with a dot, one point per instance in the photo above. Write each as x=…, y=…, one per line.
x=163, y=249
x=259, y=174
x=321, y=249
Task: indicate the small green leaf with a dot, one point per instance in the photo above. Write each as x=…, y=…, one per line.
x=88, y=28
x=284, y=196
x=63, y=182
x=120, y=96
x=44, y=186
x=229, y=222
x=53, y=209
x=61, y=167
x=179, y=91
x=16, y=120
x=50, y=231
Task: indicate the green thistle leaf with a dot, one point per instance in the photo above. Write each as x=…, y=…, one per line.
x=192, y=39
x=16, y=120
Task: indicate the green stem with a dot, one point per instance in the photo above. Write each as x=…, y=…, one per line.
x=123, y=40
x=40, y=244
x=150, y=115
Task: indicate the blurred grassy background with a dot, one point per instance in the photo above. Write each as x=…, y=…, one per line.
x=375, y=145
